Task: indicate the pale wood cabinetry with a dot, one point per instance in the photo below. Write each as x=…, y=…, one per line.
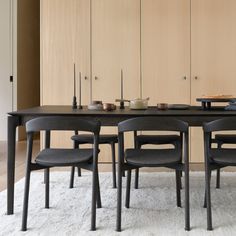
x=65, y=39
x=101, y=37
x=166, y=51
x=213, y=60
x=115, y=45
x=188, y=50
x=170, y=50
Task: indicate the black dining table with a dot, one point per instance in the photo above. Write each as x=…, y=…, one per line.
x=194, y=116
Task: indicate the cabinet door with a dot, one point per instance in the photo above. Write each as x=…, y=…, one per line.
x=213, y=55
x=65, y=39
x=115, y=46
x=166, y=51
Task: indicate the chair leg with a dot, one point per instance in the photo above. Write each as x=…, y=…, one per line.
x=127, y=199
x=178, y=193
x=44, y=177
x=119, y=200
x=205, y=203
x=99, y=202
x=72, y=174
x=94, y=200
x=187, y=208
x=26, y=200
x=208, y=198
x=218, y=178
x=180, y=179
x=46, y=174
x=136, y=178
x=79, y=172
x=113, y=164
x=219, y=145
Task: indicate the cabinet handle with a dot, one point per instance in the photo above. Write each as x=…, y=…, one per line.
x=96, y=78
x=85, y=77
x=185, y=78
x=196, y=78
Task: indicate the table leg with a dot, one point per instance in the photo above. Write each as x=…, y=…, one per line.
x=13, y=122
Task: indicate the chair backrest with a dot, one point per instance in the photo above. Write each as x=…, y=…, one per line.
x=152, y=124
x=220, y=125
x=62, y=123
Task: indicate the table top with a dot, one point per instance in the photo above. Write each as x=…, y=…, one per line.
x=67, y=110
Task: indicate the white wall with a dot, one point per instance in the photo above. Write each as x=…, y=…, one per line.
x=7, y=61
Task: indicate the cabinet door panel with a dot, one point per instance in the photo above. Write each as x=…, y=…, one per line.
x=82, y=48
x=213, y=47
x=166, y=51
x=64, y=41
x=115, y=46
x=213, y=56
x=57, y=40
x=65, y=38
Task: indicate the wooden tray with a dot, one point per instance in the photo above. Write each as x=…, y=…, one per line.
x=206, y=101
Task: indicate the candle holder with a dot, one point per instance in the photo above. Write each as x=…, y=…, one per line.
x=74, y=103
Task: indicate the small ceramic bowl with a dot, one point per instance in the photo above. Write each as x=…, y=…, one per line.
x=109, y=106
x=162, y=106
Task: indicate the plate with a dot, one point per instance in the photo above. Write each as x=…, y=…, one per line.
x=178, y=106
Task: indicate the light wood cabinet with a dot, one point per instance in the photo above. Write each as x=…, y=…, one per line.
x=101, y=38
x=115, y=45
x=166, y=51
x=188, y=50
x=213, y=57
x=65, y=39
x=170, y=50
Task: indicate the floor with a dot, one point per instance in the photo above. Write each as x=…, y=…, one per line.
x=20, y=163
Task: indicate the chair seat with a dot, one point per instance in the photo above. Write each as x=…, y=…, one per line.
x=157, y=139
x=226, y=138
x=224, y=156
x=87, y=138
x=63, y=157
x=152, y=157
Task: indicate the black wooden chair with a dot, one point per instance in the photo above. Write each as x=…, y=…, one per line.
x=216, y=158
x=110, y=139
x=136, y=158
x=51, y=157
x=144, y=139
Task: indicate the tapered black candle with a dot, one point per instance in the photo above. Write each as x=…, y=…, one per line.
x=74, y=104
x=121, y=90
x=80, y=91
x=121, y=85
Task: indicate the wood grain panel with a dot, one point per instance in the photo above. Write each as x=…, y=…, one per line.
x=58, y=47
x=213, y=47
x=213, y=56
x=115, y=46
x=65, y=40
x=166, y=51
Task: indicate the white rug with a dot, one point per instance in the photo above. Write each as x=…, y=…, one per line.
x=152, y=211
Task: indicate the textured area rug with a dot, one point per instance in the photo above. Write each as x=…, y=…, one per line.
x=152, y=210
